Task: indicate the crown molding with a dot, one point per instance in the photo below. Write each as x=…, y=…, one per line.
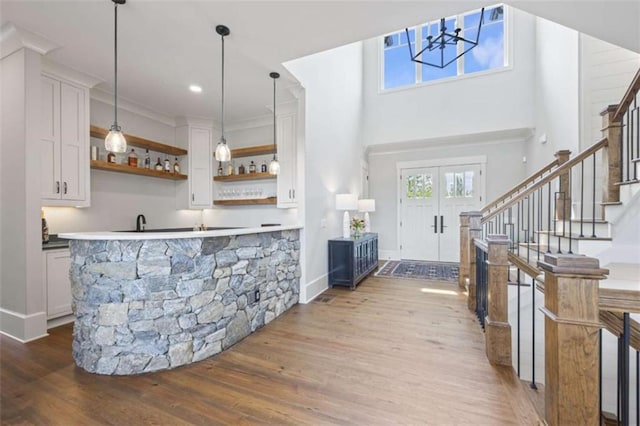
x=296, y=90
x=107, y=98
x=195, y=121
x=14, y=38
x=62, y=71
x=485, y=138
x=250, y=123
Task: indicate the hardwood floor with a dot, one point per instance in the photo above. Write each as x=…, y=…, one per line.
x=391, y=352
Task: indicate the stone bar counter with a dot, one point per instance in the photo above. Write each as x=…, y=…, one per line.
x=155, y=300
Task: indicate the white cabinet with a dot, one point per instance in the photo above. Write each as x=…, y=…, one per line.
x=64, y=161
x=287, y=151
x=197, y=192
x=56, y=282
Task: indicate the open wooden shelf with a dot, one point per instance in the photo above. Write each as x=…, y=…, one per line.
x=245, y=176
x=246, y=202
x=121, y=168
x=252, y=150
x=99, y=132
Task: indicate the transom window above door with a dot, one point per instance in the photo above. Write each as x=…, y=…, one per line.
x=398, y=70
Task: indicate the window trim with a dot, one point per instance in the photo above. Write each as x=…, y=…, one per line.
x=508, y=56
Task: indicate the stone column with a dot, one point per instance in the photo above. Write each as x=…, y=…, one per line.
x=497, y=328
x=611, y=155
x=475, y=231
x=563, y=203
x=571, y=338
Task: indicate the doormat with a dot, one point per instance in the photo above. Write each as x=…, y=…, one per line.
x=439, y=271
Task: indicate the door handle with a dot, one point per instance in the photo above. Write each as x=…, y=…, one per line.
x=435, y=224
x=57, y=187
x=442, y=225
x=65, y=187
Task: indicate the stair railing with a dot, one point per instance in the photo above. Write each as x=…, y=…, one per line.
x=627, y=114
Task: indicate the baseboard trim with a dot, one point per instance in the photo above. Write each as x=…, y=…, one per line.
x=57, y=322
x=316, y=287
x=21, y=327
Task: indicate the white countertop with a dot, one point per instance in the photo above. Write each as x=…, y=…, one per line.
x=150, y=235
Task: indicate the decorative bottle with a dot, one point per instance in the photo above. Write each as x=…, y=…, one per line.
x=132, y=158
x=147, y=160
x=45, y=229
x=230, y=168
x=252, y=167
x=263, y=167
x=219, y=168
x=241, y=169
x=176, y=167
x=167, y=165
x=158, y=166
x=111, y=158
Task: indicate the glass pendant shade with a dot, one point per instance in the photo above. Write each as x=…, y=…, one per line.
x=222, y=151
x=115, y=141
x=274, y=167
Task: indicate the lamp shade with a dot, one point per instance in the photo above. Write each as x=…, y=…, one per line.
x=367, y=205
x=346, y=202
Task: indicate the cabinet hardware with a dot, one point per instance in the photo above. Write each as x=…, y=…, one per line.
x=442, y=225
x=65, y=187
x=193, y=196
x=57, y=187
x=294, y=194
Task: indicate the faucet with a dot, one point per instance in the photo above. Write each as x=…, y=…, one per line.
x=140, y=223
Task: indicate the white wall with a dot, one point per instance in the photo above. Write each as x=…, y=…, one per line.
x=557, y=97
x=21, y=294
x=504, y=168
x=467, y=105
x=333, y=146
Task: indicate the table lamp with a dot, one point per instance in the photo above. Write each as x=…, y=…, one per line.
x=346, y=202
x=366, y=206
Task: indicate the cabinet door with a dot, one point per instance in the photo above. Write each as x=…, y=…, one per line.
x=73, y=142
x=287, y=151
x=58, y=285
x=50, y=140
x=200, y=163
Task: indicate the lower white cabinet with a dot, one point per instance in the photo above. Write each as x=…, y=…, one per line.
x=56, y=282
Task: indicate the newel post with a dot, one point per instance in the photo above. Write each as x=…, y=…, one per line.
x=563, y=203
x=611, y=155
x=497, y=328
x=467, y=275
x=571, y=338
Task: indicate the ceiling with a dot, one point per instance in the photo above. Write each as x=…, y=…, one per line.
x=164, y=45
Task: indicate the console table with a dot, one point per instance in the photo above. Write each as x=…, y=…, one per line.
x=352, y=259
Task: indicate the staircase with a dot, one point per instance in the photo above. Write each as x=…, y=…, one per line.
x=552, y=269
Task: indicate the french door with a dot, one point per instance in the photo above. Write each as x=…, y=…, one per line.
x=431, y=201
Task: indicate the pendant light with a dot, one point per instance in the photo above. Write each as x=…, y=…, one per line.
x=115, y=141
x=222, y=150
x=274, y=166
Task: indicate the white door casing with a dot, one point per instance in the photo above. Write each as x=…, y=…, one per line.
x=428, y=212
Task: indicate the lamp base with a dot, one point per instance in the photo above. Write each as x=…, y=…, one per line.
x=367, y=223
x=346, y=225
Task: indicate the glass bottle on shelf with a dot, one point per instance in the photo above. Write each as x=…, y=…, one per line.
x=167, y=165
x=147, y=160
x=252, y=167
x=241, y=169
x=132, y=158
x=219, y=168
x=263, y=167
x=176, y=166
x=230, y=168
x=111, y=158
x=158, y=166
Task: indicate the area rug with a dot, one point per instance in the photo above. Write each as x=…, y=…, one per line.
x=440, y=271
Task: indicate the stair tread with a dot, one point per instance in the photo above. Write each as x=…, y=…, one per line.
x=628, y=182
x=611, y=203
x=575, y=236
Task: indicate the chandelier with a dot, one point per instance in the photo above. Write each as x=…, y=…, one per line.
x=443, y=40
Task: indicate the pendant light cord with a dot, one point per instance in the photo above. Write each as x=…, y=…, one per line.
x=222, y=112
x=274, y=118
x=115, y=68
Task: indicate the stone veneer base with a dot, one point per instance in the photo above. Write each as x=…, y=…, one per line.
x=149, y=305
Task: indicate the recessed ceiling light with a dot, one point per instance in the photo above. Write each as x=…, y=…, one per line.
x=195, y=89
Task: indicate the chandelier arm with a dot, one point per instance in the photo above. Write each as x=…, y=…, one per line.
x=115, y=67
x=222, y=108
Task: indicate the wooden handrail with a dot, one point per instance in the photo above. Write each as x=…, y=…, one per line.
x=613, y=322
x=634, y=87
x=519, y=186
x=564, y=168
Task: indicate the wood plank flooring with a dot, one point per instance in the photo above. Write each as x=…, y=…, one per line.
x=392, y=352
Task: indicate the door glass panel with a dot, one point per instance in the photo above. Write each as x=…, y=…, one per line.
x=419, y=186
x=459, y=184
x=468, y=184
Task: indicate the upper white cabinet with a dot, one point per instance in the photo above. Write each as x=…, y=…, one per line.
x=197, y=192
x=287, y=151
x=64, y=161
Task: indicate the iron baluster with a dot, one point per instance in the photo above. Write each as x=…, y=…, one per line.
x=581, y=196
x=624, y=380
x=549, y=218
x=593, y=211
x=570, y=174
x=518, y=319
x=533, y=334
